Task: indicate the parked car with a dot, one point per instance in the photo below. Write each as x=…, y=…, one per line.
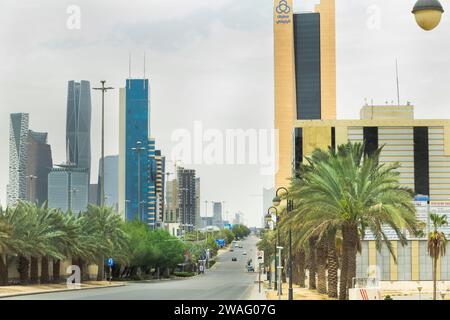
x=244, y=253
x=234, y=259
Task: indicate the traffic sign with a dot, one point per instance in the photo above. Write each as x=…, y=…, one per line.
x=110, y=262
x=260, y=256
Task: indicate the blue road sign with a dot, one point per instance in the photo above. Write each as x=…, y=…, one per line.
x=110, y=262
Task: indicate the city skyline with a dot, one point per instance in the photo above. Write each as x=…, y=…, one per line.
x=367, y=46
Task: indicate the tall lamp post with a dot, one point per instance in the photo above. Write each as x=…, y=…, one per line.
x=139, y=149
x=289, y=208
x=103, y=89
x=269, y=218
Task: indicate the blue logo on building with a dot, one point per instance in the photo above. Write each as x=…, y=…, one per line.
x=283, y=7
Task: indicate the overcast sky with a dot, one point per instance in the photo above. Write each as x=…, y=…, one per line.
x=209, y=61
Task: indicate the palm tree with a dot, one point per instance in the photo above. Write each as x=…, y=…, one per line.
x=106, y=228
x=351, y=192
x=5, y=236
x=437, y=244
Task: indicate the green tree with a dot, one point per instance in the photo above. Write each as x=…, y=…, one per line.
x=350, y=192
x=437, y=244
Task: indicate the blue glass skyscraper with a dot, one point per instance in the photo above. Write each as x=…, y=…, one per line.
x=137, y=194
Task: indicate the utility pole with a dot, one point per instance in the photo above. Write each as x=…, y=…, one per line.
x=102, y=175
x=138, y=149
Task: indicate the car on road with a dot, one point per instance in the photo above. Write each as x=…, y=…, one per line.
x=231, y=250
x=234, y=259
x=244, y=253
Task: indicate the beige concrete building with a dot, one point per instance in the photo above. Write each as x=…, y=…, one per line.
x=422, y=147
x=305, y=73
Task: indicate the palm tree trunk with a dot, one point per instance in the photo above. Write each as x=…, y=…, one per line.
x=344, y=265
x=301, y=266
x=45, y=277
x=321, y=253
x=312, y=263
x=34, y=270
x=23, y=268
x=351, y=273
x=3, y=270
x=434, y=276
x=332, y=267
x=56, y=270
x=101, y=269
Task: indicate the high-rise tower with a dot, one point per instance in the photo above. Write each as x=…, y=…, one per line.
x=18, y=158
x=78, y=124
x=137, y=164
x=305, y=74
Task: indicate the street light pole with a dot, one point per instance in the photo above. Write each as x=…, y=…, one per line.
x=289, y=208
x=138, y=149
x=269, y=218
x=102, y=177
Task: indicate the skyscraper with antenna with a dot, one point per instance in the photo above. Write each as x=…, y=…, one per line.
x=137, y=163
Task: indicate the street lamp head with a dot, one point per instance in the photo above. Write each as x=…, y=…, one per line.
x=428, y=13
x=276, y=201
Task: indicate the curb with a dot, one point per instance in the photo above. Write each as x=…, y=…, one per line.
x=59, y=290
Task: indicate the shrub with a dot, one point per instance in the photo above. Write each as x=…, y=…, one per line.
x=184, y=274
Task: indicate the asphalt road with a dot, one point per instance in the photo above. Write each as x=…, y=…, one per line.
x=226, y=281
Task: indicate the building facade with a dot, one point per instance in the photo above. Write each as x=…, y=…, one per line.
x=111, y=181
x=68, y=189
x=305, y=73
x=137, y=165
x=78, y=124
x=160, y=185
x=39, y=164
x=422, y=147
x=217, y=214
x=18, y=158
x=172, y=211
x=186, y=198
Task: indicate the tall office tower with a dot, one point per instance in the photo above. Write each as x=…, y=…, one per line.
x=78, y=124
x=217, y=214
x=172, y=211
x=160, y=183
x=186, y=198
x=68, y=188
x=198, y=219
x=137, y=164
x=18, y=158
x=111, y=181
x=238, y=218
x=305, y=74
x=39, y=164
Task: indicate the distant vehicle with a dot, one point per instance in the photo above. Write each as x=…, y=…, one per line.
x=244, y=253
x=241, y=247
x=231, y=250
x=234, y=259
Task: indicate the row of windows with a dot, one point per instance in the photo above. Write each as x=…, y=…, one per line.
x=404, y=263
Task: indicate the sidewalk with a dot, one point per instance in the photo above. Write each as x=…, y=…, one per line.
x=11, y=291
x=255, y=294
x=299, y=294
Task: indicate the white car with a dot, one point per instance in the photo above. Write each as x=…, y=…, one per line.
x=244, y=253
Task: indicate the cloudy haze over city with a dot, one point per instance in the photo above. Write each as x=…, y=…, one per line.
x=208, y=61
